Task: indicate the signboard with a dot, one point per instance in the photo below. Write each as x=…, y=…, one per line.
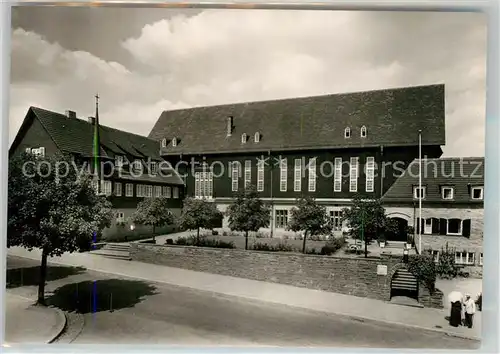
x=381, y=269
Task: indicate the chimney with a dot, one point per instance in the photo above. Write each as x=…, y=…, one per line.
x=71, y=114
x=229, y=125
x=91, y=120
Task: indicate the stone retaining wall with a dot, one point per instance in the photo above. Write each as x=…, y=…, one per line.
x=350, y=276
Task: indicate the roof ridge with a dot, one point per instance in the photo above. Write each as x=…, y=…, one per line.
x=100, y=125
x=399, y=88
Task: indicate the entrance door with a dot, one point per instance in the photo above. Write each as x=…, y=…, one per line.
x=402, y=231
x=428, y=226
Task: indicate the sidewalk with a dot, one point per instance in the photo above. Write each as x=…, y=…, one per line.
x=344, y=305
x=28, y=324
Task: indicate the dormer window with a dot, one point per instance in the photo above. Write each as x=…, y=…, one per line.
x=347, y=132
x=363, y=131
x=153, y=167
x=137, y=166
x=257, y=137
x=243, y=138
x=174, y=142
x=419, y=192
x=118, y=161
x=477, y=193
x=163, y=142
x=447, y=193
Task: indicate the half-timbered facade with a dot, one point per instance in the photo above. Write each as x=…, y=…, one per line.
x=329, y=147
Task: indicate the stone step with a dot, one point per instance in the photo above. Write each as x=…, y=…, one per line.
x=112, y=254
x=116, y=256
x=117, y=246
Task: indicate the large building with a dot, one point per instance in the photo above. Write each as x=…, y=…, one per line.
x=328, y=147
x=131, y=163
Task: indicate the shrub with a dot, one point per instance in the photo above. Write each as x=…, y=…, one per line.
x=479, y=302
x=169, y=241
x=422, y=266
x=281, y=247
x=332, y=246
x=446, y=267
x=311, y=251
x=204, y=242
x=224, y=233
x=215, y=232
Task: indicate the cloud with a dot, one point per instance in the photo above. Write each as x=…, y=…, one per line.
x=221, y=56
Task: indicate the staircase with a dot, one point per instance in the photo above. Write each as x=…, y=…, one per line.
x=404, y=280
x=395, y=244
x=114, y=250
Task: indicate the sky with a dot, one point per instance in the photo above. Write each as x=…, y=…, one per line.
x=144, y=61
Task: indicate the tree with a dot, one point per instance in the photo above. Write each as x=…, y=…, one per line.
x=367, y=220
x=310, y=218
x=52, y=206
x=153, y=212
x=248, y=213
x=199, y=214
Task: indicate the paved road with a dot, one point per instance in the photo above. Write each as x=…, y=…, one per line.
x=119, y=311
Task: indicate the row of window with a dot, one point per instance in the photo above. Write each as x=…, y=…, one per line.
x=450, y=227
x=142, y=190
x=281, y=219
x=448, y=192
x=137, y=165
x=164, y=142
x=234, y=168
x=348, y=133
x=461, y=258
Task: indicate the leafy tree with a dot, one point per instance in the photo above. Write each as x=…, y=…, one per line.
x=153, y=212
x=199, y=214
x=248, y=213
x=310, y=218
x=422, y=266
x=367, y=220
x=53, y=207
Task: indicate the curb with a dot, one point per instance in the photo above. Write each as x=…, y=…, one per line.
x=60, y=326
x=368, y=319
x=353, y=317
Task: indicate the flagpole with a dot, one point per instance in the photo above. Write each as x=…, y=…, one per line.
x=97, y=145
x=420, y=192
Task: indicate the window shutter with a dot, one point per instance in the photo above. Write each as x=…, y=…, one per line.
x=422, y=225
x=435, y=226
x=417, y=229
x=466, y=228
x=443, y=223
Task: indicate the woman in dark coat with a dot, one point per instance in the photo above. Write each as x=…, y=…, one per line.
x=456, y=314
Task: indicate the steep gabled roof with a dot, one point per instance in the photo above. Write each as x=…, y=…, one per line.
x=392, y=117
x=75, y=136
x=460, y=173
